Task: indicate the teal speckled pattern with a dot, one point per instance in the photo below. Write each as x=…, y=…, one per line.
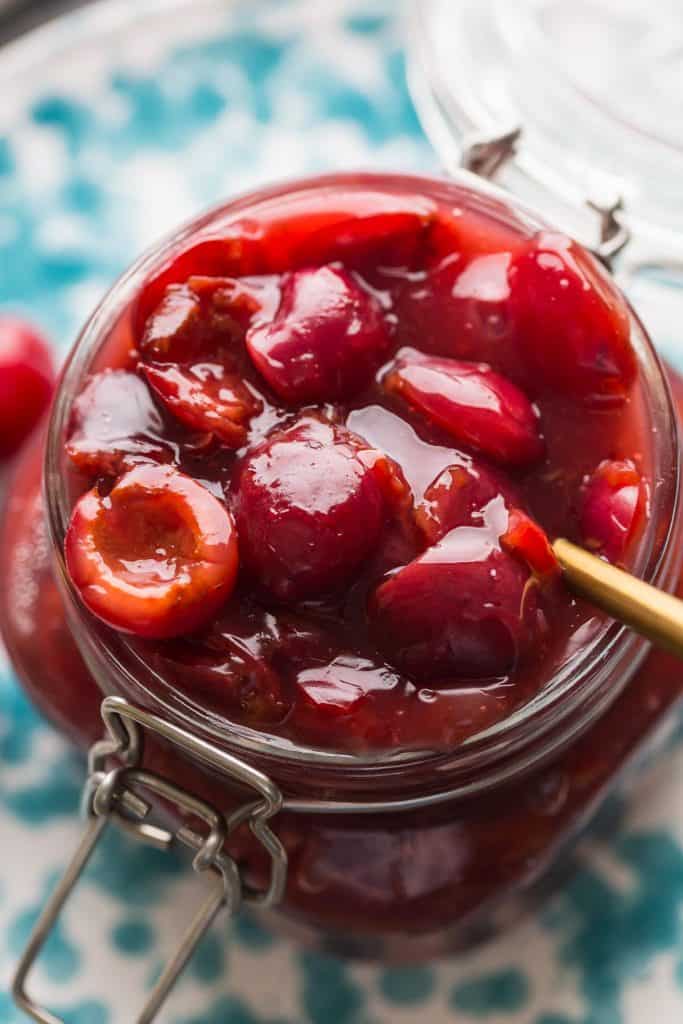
x=121, y=121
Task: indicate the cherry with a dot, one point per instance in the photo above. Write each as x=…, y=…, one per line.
x=326, y=341
x=458, y=497
x=613, y=502
x=114, y=424
x=26, y=382
x=205, y=318
x=192, y=347
x=529, y=542
x=464, y=608
x=461, y=308
x=366, y=243
x=206, y=397
x=476, y=406
x=309, y=504
x=156, y=556
x=236, y=254
x=572, y=324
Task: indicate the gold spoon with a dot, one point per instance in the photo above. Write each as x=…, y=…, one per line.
x=649, y=611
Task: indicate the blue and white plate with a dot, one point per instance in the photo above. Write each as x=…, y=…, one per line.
x=117, y=122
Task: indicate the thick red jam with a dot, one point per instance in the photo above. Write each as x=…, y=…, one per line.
x=310, y=473
x=378, y=406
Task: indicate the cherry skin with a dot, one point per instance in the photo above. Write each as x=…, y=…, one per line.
x=156, y=557
x=115, y=424
x=26, y=382
x=462, y=609
x=326, y=341
x=458, y=497
x=572, y=324
x=613, y=503
x=206, y=318
x=192, y=350
x=309, y=504
x=528, y=541
x=207, y=398
x=475, y=406
x=461, y=309
x=367, y=244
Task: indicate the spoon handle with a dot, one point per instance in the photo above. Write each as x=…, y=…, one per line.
x=649, y=611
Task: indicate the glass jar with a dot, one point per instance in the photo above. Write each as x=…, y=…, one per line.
x=590, y=94
x=398, y=855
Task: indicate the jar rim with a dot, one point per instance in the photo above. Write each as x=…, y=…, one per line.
x=564, y=692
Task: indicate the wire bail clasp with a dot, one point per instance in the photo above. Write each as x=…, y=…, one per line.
x=118, y=789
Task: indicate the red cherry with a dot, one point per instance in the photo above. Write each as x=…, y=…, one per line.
x=572, y=323
x=461, y=609
x=205, y=397
x=115, y=424
x=26, y=382
x=192, y=347
x=525, y=539
x=309, y=505
x=476, y=406
x=366, y=243
x=326, y=341
x=205, y=318
x=237, y=254
x=458, y=497
x=157, y=556
x=614, y=502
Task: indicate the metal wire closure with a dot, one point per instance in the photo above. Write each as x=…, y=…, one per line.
x=485, y=154
x=118, y=789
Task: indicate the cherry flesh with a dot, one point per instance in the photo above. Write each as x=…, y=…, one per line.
x=156, y=556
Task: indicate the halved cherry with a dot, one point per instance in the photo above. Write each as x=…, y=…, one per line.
x=114, y=424
x=326, y=341
x=528, y=541
x=309, y=505
x=572, y=323
x=206, y=318
x=458, y=497
x=192, y=350
x=206, y=397
x=26, y=381
x=614, y=502
x=477, y=407
x=462, y=609
x=157, y=556
x=236, y=254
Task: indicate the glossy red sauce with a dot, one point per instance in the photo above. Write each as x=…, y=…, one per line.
x=389, y=405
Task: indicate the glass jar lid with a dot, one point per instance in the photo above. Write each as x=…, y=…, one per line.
x=596, y=87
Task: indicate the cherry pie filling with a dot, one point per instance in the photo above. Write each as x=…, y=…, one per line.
x=318, y=465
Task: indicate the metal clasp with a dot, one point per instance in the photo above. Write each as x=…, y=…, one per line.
x=486, y=154
x=117, y=789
